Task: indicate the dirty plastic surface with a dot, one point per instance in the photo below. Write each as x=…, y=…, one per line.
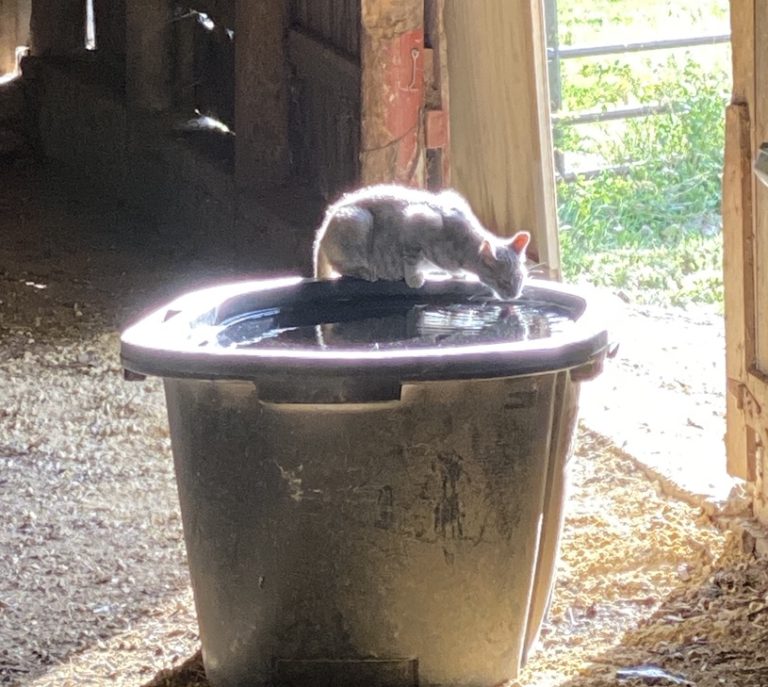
x=356, y=514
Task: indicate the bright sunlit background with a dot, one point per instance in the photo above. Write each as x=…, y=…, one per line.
x=639, y=197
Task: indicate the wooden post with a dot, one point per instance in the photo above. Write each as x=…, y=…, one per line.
x=148, y=54
x=7, y=36
x=759, y=112
x=738, y=243
x=437, y=135
x=392, y=62
x=501, y=142
x=261, y=98
x=739, y=286
x=23, y=16
x=57, y=27
x=184, y=64
x=553, y=71
x=109, y=17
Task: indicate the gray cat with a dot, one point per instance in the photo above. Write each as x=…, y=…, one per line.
x=393, y=232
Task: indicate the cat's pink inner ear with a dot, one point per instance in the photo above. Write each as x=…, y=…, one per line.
x=487, y=253
x=519, y=242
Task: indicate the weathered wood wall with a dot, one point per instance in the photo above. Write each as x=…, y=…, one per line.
x=57, y=27
x=149, y=54
x=392, y=119
x=500, y=127
x=109, y=20
x=745, y=228
x=436, y=96
x=14, y=31
x=261, y=100
x=324, y=55
x=336, y=22
x=738, y=247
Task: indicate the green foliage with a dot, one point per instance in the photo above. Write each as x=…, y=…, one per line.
x=586, y=22
x=651, y=229
x=688, y=272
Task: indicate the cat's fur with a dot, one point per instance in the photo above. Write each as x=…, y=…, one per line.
x=392, y=232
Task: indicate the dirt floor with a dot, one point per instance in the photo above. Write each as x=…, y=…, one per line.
x=93, y=582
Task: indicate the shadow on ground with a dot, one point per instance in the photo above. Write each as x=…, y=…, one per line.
x=710, y=632
x=91, y=544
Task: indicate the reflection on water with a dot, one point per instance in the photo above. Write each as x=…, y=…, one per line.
x=394, y=324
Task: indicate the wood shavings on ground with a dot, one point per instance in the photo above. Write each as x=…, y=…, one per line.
x=93, y=582
x=640, y=583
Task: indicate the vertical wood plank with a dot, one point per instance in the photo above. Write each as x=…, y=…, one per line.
x=8, y=40
x=760, y=127
x=184, y=64
x=392, y=61
x=353, y=27
x=738, y=239
x=57, y=27
x=739, y=287
x=23, y=14
x=109, y=17
x=743, y=50
x=261, y=94
x=501, y=146
x=148, y=47
x=438, y=92
x=299, y=12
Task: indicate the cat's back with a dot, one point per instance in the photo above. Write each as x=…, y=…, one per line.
x=386, y=198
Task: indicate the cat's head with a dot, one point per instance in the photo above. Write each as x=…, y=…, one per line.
x=502, y=265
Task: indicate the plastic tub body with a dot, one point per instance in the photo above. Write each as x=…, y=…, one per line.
x=402, y=530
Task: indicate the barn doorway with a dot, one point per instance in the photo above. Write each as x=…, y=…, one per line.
x=638, y=99
x=638, y=96
x=638, y=110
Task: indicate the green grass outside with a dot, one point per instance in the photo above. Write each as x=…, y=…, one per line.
x=652, y=233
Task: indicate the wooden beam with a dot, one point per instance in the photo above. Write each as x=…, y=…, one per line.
x=57, y=27
x=148, y=47
x=437, y=96
x=501, y=147
x=392, y=61
x=8, y=41
x=23, y=15
x=760, y=128
x=109, y=18
x=743, y=51
x=739, y=288
x=738, y=243
x=317, y=62
x=261, y=95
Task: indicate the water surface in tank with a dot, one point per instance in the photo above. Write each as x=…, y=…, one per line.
x=389, y=324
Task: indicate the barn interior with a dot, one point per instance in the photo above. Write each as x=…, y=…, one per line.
x=149, y=146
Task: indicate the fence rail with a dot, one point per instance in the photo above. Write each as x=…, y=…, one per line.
x=556, y=53
x=589, y=117
x=620, y=48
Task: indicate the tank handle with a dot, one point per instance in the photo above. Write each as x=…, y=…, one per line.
x=329, y=390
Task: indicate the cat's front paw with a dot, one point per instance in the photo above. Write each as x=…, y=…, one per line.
x=415, y=280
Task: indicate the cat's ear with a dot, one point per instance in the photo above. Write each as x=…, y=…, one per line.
x=487, y=253
x=519, y=242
